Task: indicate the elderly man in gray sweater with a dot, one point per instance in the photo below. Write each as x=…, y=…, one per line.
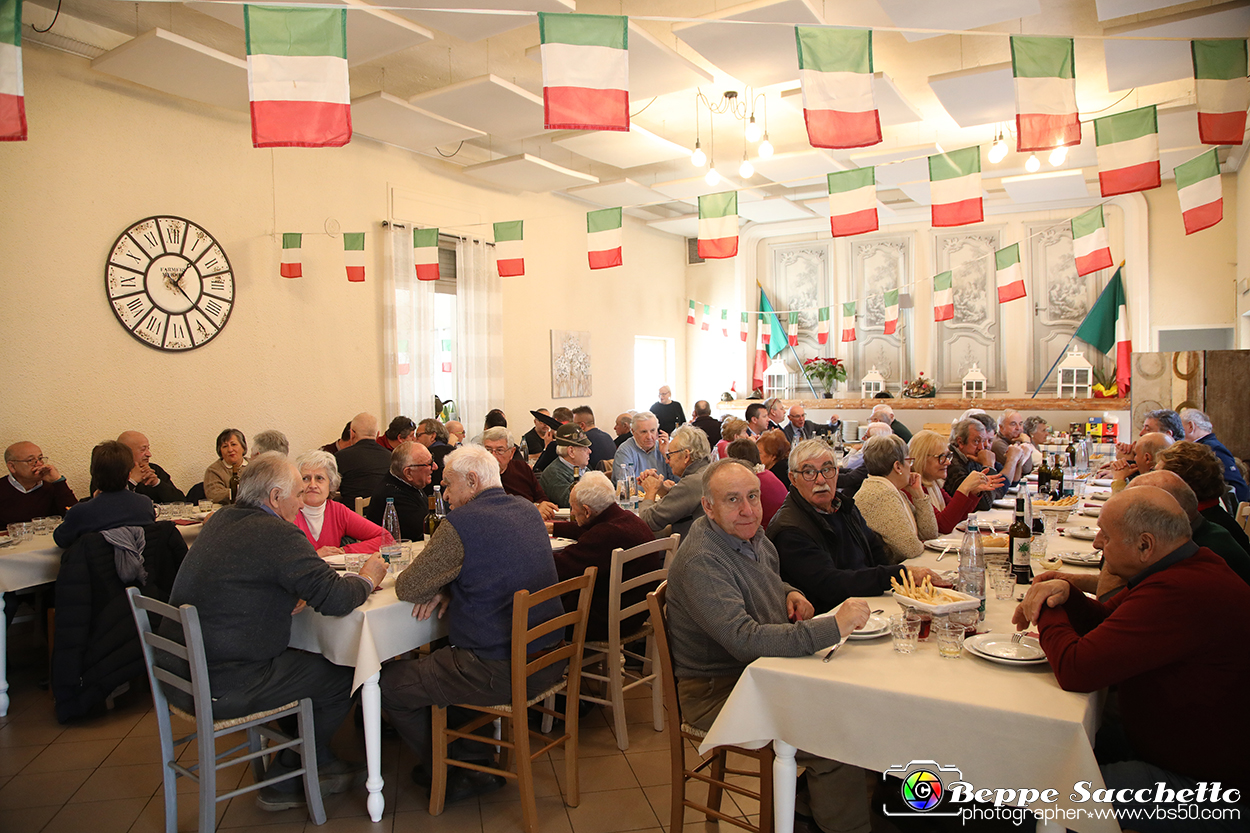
x=727, y=606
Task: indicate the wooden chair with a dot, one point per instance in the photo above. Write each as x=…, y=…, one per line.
x=362, y=503
x=943, y=428
x=680, y=733
x=607, y=467
x=611, y=654
x=515, y=714
x=204, y=772
x=1243, y=516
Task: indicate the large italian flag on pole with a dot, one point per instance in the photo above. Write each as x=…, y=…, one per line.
x=943, y=297
x=1223, y=90
x=297, y=76
x=292, y=265
x=853, y=202
x=1106, y=328
x=1089, y=242
x=1045, y=93
x=955, y=187
x=848, y=321
x=1128, y=151
x=12, y=93
x=425, y=253
x=891, y=311
x=354, y=255
x=585, y=71
x=603, y=238
x=1010, y=275
x=835, y=69
x=1198, y=186
x=509, y=259
x=718, y=225
x=822, y=325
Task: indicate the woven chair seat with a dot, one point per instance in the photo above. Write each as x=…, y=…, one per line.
x=645, y=631
x=507, y=707
x=233, y=721
x=693, y=730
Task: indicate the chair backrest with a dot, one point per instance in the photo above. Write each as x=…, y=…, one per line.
x=190, y=651
x=1243, y=516
x=362, y=503
x=656, y=602
x=523, y=635
x=618, y=585
x=607, y=467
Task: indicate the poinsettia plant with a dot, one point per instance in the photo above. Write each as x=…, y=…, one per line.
x=825, y=371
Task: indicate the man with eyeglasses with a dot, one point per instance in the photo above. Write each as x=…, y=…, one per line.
x=34, y=487
x=411, y=469
x=970, y=451
x=826, y=548
x=515, y=474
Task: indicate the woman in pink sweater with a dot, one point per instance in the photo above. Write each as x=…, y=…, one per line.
x=326, y=522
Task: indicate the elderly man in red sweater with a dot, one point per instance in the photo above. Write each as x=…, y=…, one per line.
x=1181, y=688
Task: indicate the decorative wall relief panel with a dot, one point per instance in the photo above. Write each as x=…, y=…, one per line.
x=878, y=263
x=974, y=334
x=570, y=364
x=801, y=281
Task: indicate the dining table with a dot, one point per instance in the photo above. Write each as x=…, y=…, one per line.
x=991, y=724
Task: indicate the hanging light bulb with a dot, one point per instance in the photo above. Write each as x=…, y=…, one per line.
x=746, y=170
x=712, y=178
x=698, y=158
x=998, y=151
x=1058, y=155
x=765, y=149
x=1032, y=163
x=752, y=131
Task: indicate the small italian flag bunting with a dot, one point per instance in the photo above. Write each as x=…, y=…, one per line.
x=1128, y=151
x=822, y=325
x=354, y=255
x=292, y=255
x=12, y=93
x=793, y=331
x=445, y=355
x=745, y=324
x=402, y=365
x=724, y=322
x=509, y=259
x=1223, y=90
x=848, y=321
x=891, y=311
x=1045, y=76
x=603, y=235
x=297, y=76
x=853, y=202
x=425, y=253
x=1089, y=242
x=704, y=325
x=1009, y=273
x=835, y=69
x=690, y=314
x=955, y=187
x=765, y=327
x=1198, y=186
x=718, y=225
x=943, y=297
x=585, y=71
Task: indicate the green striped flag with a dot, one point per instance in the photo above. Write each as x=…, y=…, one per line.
x=509, y=257
x=1198, y=187
x=1223, y=90
x=955, y=187
x=690, y=313
x=835, y=69
x=822, y=325
x=603, y=233
x=891, y=311
x=445, y=357
x=793, y=331
x=1128, y=151
x=425, y=253
x=1045, y=79
x=703, y=322
x=1106, y=329
x=943, y=297
x=292, y=255
x=297, y=76
x=745, y=325
x=12, y=92
x=718, y=225
x=354, y=255
x=585, y=71
x=853, y=202
x=1009, y=273
x=402, y=362
x=724, y=322
x=1089, y=242
x=848, y=321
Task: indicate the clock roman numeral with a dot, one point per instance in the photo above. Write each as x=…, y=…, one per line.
x=135, y=304
x=211, y=263
x=213, y=306
x=152, y=239
x=175, y=234
x=133, y=257
x=128, y=280
x=153, y=324
x=218, y=283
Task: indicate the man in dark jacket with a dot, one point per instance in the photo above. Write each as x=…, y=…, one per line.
x=705, y=422
x=970, y=451
x=601, y=446
x=411, y=468
x=827, y=550
x=1198, y=429
x=147, y=478
x=364, y=463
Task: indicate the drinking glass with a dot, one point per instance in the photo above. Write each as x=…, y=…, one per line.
x=401, y=559
x=353, y=561
x=950, y=638
x=206, y=506
x=19, y=532
x=1005, y=585
x=967, y=618
x=905, y=628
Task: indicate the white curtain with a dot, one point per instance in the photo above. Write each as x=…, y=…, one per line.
x=409, y=341
x=479, y=342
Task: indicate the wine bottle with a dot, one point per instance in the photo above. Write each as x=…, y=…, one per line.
x=1043, y=478
x=1021, y=538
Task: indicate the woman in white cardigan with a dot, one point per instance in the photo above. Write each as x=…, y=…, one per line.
x=892, y=501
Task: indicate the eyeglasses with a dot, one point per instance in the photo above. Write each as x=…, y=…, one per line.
x=426, y=433
x=668, y=454
x=828, y=472
x=500, y=452
x=32, y=461
x=944, y=457
x=428, y=465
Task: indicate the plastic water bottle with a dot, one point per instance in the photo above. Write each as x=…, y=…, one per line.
x=972, y=564
x=440, y=506
x=390, y=522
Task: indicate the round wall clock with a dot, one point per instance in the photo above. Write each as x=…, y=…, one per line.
x=170, y=283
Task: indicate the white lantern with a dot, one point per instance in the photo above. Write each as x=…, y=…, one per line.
x=974, y=383
x=1076, y=377
x=779, y=381
x=872, y=384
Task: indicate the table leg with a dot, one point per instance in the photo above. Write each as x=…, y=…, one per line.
x=785, y=777
x=4, y=662
x=371, y=702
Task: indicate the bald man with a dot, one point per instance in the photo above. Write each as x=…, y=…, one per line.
x=147, y=478
x=1010, y=432
x=363, y=464
x=34, y=487
x=1205, y=534
x=1140, y=457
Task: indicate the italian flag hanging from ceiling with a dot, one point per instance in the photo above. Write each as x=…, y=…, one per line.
x=852, y=202
x=297, y=76
x=509, y=256
x=891, y=311
x=835, y=69
x=943, y=297
x=822, y=325
x=1199, y=189
x=848, y=321
x=354, y=255
x=585, y=61
x=1128, y=151
x=793, y=331
x=955, y=187
x=292, y=255
x=745, y=324
x=12, y=93
x=1089, y=242
x=1223, y=90
x=718, y=225
x=603, y=235
x=1009, y=273
x=425, y=253
x=1045, y=81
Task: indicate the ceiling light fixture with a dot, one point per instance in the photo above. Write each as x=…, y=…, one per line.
x=1032, y=164
x=746, y=170
x=752, y=131
x=998, y=150
x=698, y=158
x=712, y=178
x=1058, y=155
x=765, y=150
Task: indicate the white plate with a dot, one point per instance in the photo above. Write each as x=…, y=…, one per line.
x=1081, y=559
x=939, y=544
x=878, y=625
x=561, y=543
x=337, y=560
x=1094, y=495
x=1082, y=533
x=999, y=648
x=1004, y=504
x=1091, y=511
x=996, y=524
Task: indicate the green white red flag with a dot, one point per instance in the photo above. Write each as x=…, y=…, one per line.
x=603, y=236
x=943, y=297
x=12, y=90
x=848, y=321
x=1089, y=242
x=1106, y=329
x=724, y=322
x=292, y=255
x=1199, y=189
x=509, y=256
x=1009, y=273
x=445, y=356
x=718, y=225
x=585, y=71
x=745, y=326
x=690, y=313
x=402, y=363
x=955, y=187
x=1045, y=80
x=835, y=69
x=1128, y=151
x=354, y=255
x=1223, y=90
x=793, y=331
x=297, y=76
x=822, y=325
x=764, y=329
x=703, y=321
x=425, y=253
x=853, y=202
x=891, y=311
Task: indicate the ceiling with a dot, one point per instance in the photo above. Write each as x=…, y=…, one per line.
x=467, y=88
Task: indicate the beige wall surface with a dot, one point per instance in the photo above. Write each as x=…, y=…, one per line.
x=1243, y=258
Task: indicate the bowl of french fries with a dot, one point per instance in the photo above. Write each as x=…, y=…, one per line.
x=1061, y=508
x=926, y=598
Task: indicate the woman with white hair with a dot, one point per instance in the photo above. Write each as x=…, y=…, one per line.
x=327, y=522
x=679, y=504
x=892, y=501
